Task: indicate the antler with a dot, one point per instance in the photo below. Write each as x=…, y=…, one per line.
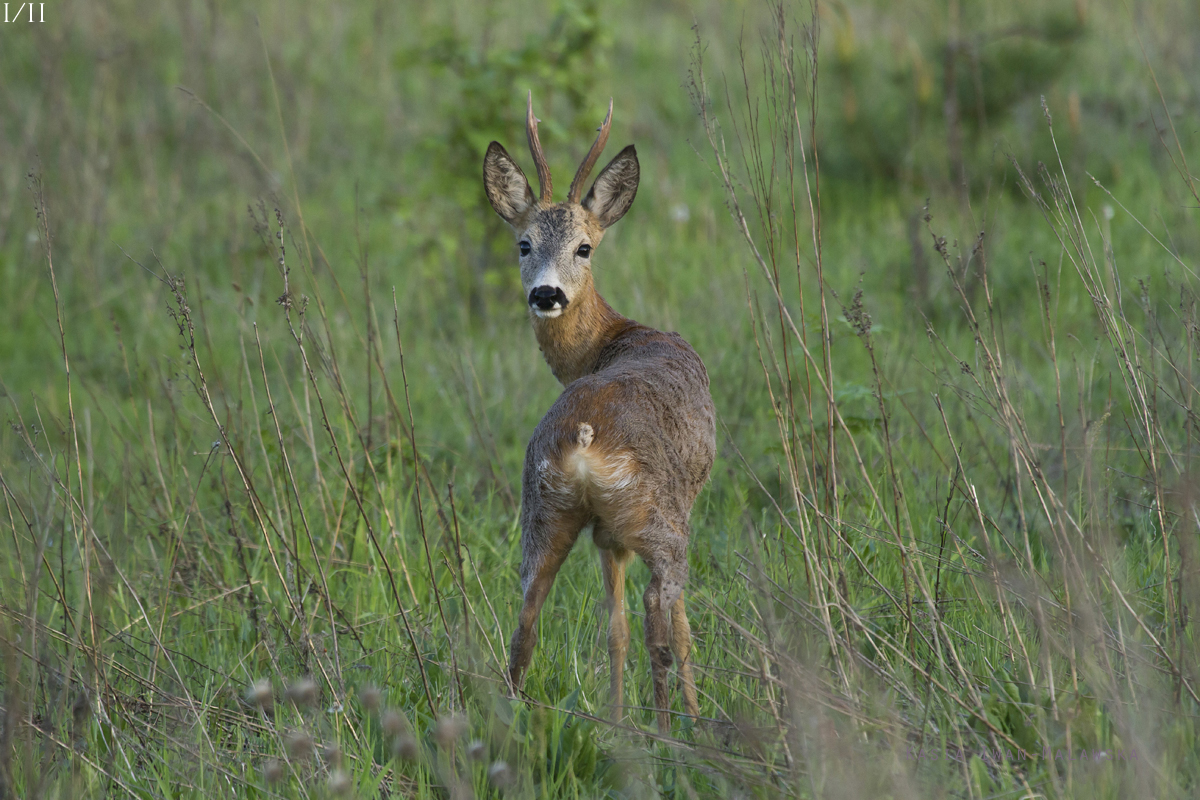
x=590, y=161
x=545, y=187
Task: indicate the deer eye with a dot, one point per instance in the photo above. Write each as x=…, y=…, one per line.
x=584, y=250
x=525, y=248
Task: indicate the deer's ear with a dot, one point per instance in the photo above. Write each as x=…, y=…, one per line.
x=613, y=192
x=507, y=189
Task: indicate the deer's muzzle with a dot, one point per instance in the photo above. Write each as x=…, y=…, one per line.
x=547, y=298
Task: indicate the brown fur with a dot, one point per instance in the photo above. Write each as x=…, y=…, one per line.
x=627, y=446
x=572, y=343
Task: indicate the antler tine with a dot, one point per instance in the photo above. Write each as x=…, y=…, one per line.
x=590, y=161
x=545, y=187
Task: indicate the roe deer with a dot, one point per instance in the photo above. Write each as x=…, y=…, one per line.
x=629, y=443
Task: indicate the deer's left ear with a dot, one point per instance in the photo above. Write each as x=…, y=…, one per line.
x=613, y=192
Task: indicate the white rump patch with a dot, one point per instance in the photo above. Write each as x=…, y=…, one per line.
x=588, y=475
x=600, y=475
x=622, y=473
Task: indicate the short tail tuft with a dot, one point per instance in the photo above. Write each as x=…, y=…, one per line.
x=585, y=435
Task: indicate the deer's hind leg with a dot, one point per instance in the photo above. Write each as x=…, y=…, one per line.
x=667, y=560
x=612, y=565
x=546, y=539
x=681, y=644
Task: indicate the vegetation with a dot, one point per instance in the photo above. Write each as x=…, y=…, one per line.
x=267, y=381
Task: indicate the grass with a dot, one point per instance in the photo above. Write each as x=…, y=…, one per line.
x=268, y=382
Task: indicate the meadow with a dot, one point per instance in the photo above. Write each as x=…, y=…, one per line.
x=267, y=379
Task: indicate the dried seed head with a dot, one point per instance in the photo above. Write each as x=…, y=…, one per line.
x=393, y=723
x=339, y=782
x=304, y=693
x=272, y=770
x=449, y=729
x=259, y=694
x=332, y=755
x=477, y=750
x=300, y=744
x=371, y=698
x=406, y=749
x=499, y=774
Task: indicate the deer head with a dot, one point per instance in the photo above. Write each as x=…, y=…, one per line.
x=556, y=240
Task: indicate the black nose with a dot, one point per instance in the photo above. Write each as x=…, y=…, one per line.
x=544, y=297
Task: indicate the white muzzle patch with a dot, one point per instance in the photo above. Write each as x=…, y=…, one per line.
x=542, y=302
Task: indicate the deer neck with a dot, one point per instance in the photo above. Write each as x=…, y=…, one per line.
x=571, y=343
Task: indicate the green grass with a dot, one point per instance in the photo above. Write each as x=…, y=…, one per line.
x=232, y=488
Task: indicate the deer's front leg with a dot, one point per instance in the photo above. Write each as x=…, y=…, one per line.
x=544, y=548
x=612, y=565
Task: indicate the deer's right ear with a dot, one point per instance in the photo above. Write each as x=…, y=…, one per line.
x=507, y=189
